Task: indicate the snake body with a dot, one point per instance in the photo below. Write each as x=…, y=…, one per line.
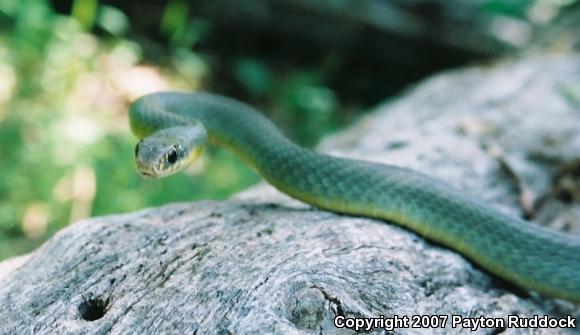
x=527, y=255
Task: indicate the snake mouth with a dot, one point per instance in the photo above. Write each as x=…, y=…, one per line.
x=146, y=171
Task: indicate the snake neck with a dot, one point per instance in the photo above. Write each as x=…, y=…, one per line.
x=228, y=123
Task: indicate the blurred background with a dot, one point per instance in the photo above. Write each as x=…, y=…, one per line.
x=69, y=70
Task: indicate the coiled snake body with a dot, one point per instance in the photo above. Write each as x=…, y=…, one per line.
x=174, y=127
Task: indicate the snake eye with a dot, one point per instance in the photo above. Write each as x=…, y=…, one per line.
x=172, y=156
x=137, y=149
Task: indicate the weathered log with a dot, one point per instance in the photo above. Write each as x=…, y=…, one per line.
x=263, y=263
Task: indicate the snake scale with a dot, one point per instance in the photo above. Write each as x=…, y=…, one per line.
x=174, y=127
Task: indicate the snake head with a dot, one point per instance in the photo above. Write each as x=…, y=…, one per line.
x=169, y=150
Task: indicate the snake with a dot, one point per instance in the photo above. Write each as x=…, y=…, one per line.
x=174, y=128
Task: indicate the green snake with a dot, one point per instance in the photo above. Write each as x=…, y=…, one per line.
x=174, y=127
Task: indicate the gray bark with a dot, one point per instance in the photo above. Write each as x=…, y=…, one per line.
x=263, y=263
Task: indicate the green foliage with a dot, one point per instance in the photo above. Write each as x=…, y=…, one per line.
x=521, y=8
x=67, y=151
x=309, y=107
x=516, y=8
x=304, y=106
x=112, y=20
x=85, y=12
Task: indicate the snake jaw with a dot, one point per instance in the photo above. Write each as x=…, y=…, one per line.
x=159, y=169
x=146, y=171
